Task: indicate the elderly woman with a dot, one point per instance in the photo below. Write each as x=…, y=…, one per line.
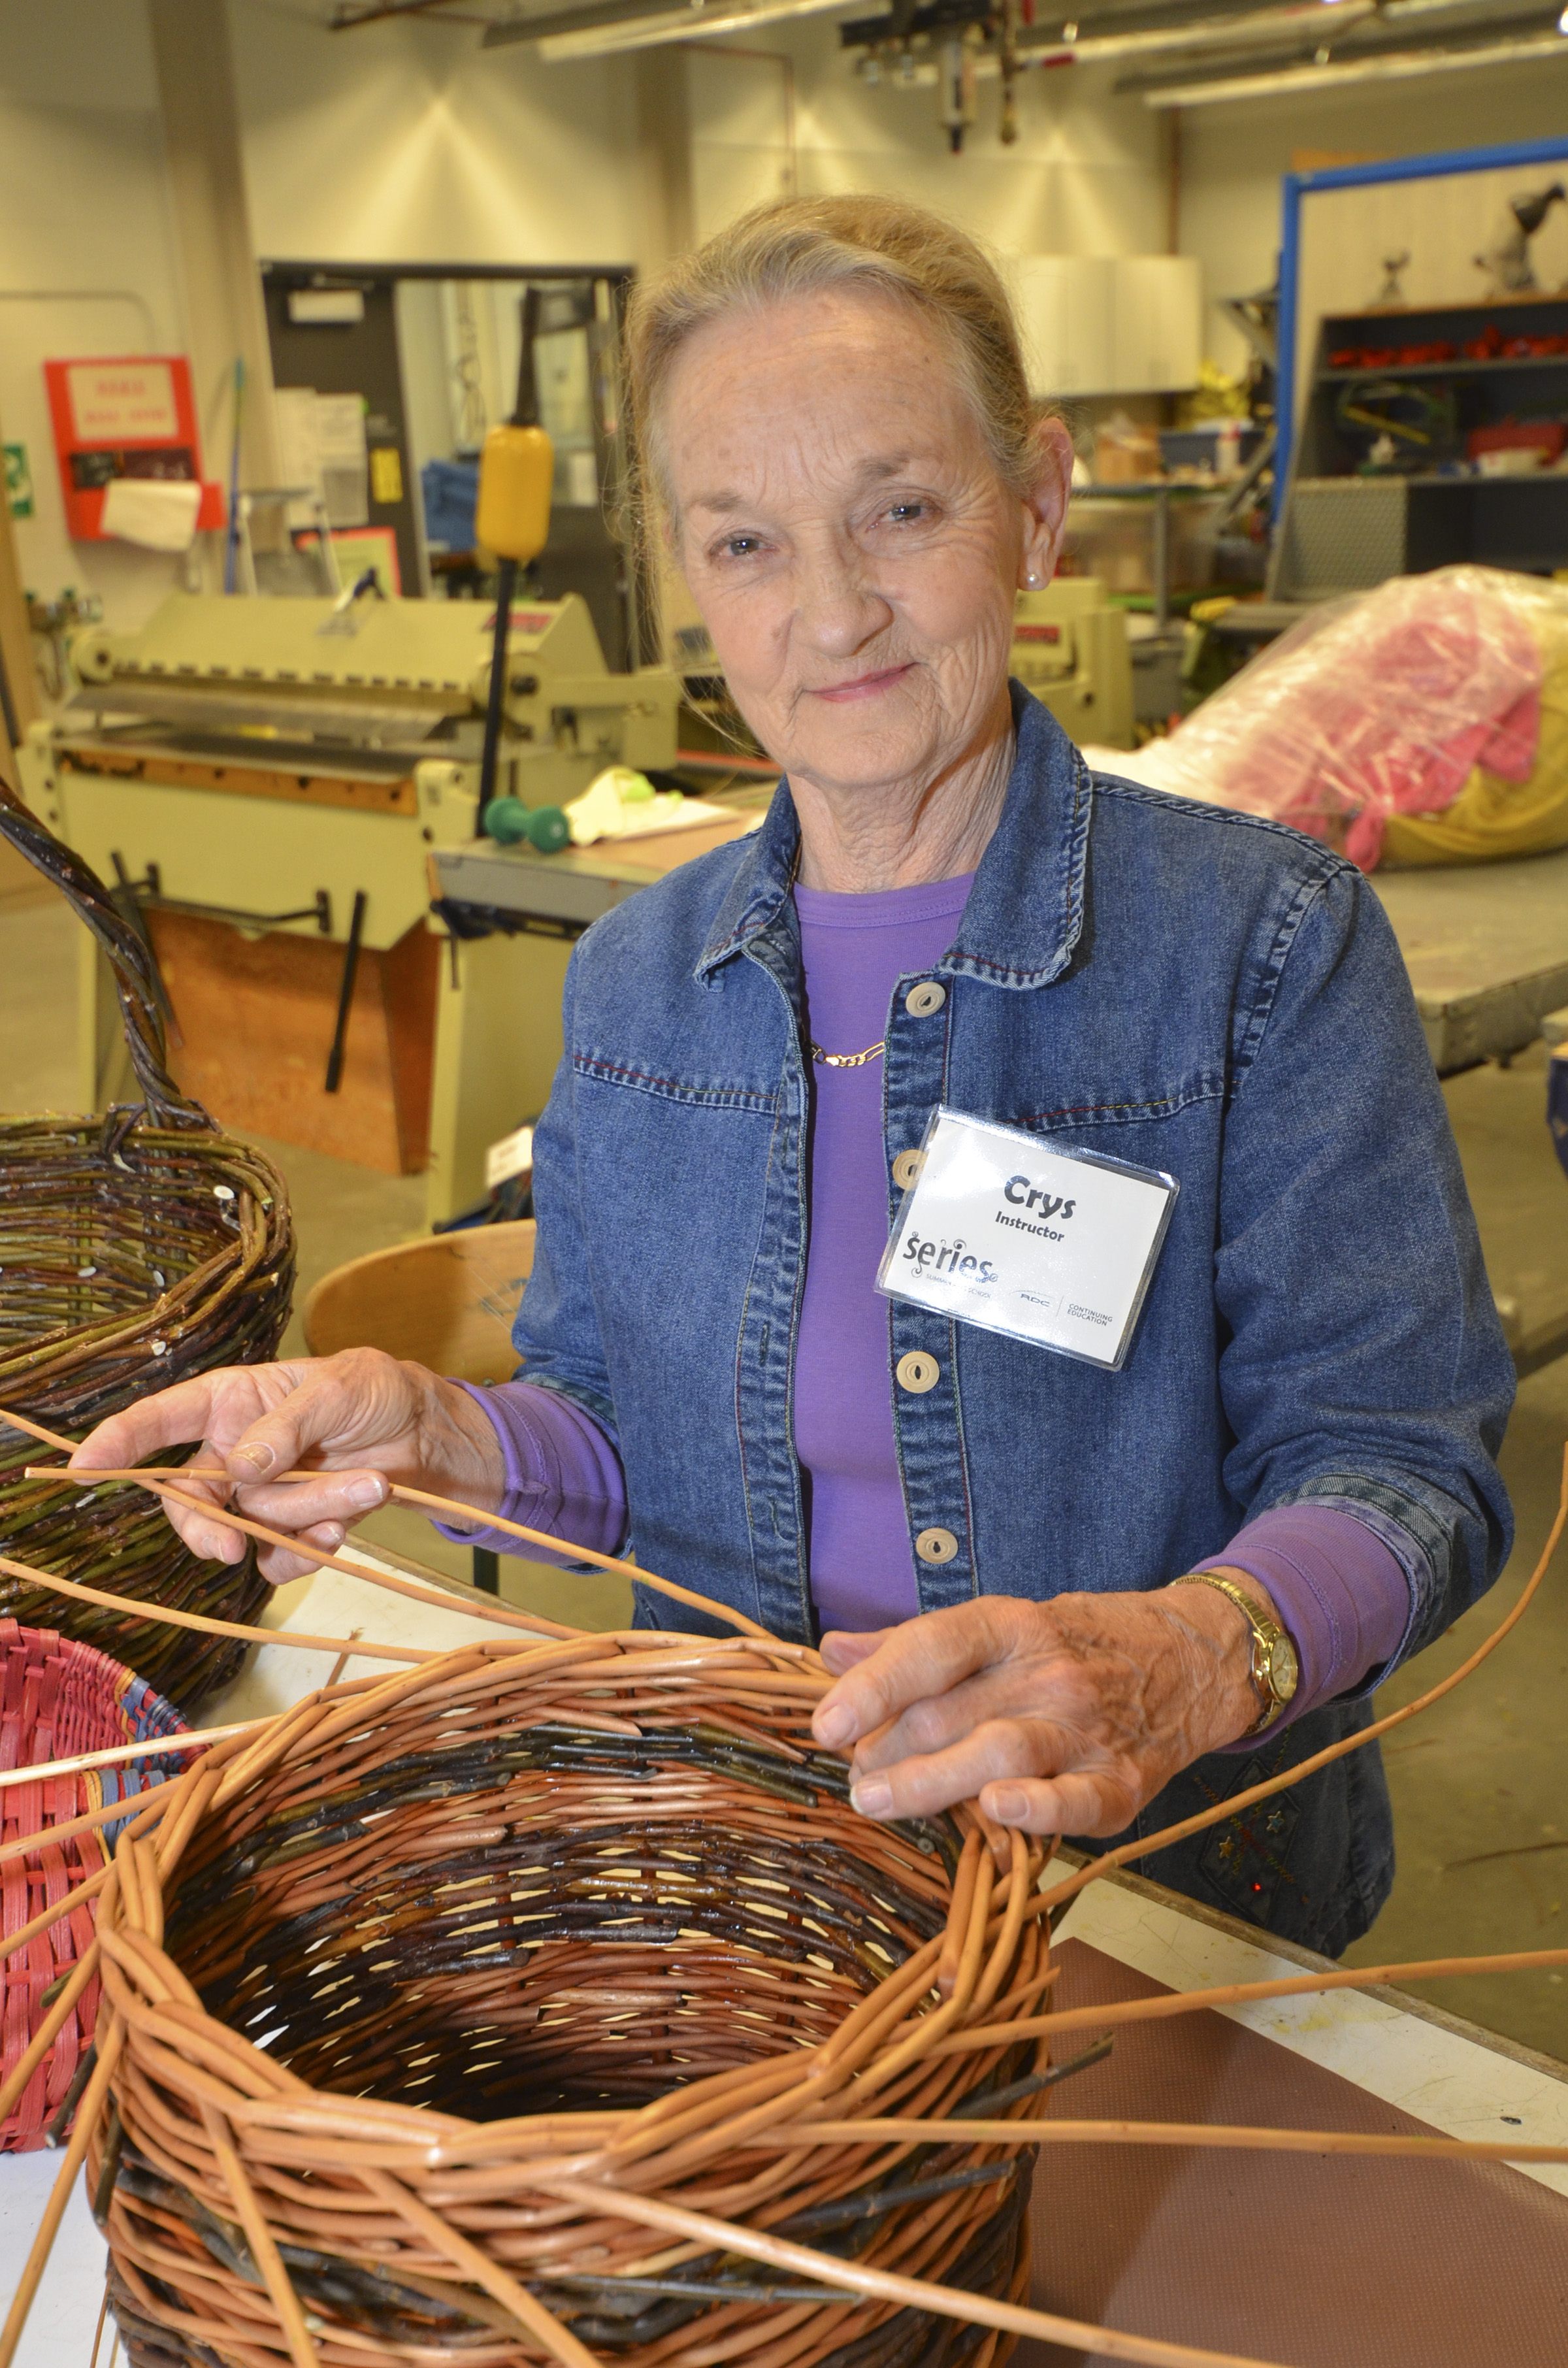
x=1098, y=1595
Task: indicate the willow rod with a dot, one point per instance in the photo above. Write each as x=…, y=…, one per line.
x=74, y=1828
x=154, y=1477
x=154, y=1481
x=1342, y=1977
x=13, y=1942
x=346, y=1560
x=1111, y=1860
x=192, y=1739
x=199, y=1620
x=882, y=2286
x=1217, y=2134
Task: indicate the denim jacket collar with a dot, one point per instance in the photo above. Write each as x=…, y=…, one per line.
x=1011, y=934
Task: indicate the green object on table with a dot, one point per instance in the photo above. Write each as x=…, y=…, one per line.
x=507, y=820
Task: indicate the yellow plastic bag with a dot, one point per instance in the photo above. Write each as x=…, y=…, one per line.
x=1493, y=818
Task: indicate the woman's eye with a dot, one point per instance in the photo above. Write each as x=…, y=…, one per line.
x=907, y=513
x=738, y=546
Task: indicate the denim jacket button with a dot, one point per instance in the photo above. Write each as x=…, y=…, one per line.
x=936, y=1545
x=922, y=1000
x=917, y=1372
x=907, y=1167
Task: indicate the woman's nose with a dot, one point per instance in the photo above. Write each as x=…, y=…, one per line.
x=836, y=608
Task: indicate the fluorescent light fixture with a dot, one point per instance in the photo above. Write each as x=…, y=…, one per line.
x=1286, y=24
x=1394, y=66
x=606, y=30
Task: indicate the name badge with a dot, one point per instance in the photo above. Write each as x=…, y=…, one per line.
x=1054, y=1247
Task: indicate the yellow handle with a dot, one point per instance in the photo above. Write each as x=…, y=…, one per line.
x=517, y=470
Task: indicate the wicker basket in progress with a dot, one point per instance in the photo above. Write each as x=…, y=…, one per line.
x=595, y=1908
x=58, y=1698
x=134, y=1249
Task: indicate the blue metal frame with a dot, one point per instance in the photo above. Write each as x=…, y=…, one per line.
x=1297, y=185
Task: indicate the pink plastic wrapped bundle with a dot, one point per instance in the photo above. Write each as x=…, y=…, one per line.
x=1379, y=705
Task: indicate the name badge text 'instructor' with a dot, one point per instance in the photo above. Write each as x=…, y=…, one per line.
x=1054, y=1247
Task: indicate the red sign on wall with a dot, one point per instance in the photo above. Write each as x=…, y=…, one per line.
x=124, y=415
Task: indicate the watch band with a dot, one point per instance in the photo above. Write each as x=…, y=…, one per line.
x=1275, y=1671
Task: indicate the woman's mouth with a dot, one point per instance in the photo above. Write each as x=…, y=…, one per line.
x=862, y=686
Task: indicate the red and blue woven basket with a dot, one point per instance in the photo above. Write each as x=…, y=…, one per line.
x=59, y=1699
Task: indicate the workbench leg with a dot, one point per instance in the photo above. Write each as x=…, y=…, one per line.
x=498, y=1044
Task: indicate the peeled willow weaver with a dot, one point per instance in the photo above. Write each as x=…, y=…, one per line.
x=135, y=1249
x=546, y=2001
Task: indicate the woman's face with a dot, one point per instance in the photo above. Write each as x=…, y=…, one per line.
x=848, y=540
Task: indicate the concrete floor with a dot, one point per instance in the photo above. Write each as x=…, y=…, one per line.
x=1480, y=1783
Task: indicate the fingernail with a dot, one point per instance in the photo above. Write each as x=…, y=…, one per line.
x=834, y=1724
x=872, y=1796
x=1008, y=1807
x=259, y=1455
x=363, y=1494
x=331, y=1534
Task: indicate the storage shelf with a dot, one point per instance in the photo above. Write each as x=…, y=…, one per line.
x=1536, y=478
x=1448, y=370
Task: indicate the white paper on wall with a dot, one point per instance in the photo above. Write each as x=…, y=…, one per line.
x=156, y=512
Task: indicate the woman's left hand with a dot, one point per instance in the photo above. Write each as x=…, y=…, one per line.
x=1062, y=1718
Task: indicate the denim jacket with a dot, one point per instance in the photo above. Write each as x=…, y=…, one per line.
x=1181, y=986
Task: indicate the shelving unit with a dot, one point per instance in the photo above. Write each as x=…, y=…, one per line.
x=1347, y=526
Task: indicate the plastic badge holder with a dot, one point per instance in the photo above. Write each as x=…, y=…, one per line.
x=1011, y=1233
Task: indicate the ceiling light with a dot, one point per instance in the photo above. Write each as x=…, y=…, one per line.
x=685, y=23
x=1392, y=65
x=1285, y=24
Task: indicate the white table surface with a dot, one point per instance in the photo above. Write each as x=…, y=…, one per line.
x=1454, y=2076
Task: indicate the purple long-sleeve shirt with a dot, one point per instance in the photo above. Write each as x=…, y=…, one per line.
x=1337, y=1575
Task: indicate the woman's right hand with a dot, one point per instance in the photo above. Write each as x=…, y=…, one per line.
x=361, y=1420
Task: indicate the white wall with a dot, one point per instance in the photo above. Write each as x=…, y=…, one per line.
x=406, y=143
x=1234, y=157
x=82, y=206
x=1085, y=176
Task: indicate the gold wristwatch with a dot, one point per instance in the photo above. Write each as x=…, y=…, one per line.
x=1276, y=1670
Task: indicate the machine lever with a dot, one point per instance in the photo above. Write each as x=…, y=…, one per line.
x=148, y=890
x=345, y=993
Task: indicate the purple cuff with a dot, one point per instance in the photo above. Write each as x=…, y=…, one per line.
x=562, y=1474
x=1340, y=1587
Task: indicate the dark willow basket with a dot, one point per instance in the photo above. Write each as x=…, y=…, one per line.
x=135, y=1250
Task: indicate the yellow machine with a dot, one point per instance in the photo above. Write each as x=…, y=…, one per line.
x=267, y=779
x=1069, y=648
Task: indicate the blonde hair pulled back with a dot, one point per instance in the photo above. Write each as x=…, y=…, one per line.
x=804, y=246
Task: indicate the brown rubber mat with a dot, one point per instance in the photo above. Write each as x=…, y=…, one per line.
x=1307, y=2260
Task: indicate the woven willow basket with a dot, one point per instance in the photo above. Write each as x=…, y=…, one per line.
x=595, y=1909
x=58, y=1698
x=134, y=1249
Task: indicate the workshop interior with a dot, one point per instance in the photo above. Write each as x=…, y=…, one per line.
x=348, y=703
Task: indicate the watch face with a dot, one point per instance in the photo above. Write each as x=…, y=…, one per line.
x=1284, y=1670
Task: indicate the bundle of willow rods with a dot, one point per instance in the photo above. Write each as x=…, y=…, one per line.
x=135, y=1249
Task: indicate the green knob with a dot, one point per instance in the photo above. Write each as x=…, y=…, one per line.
x=505, y=820
x=547, y=828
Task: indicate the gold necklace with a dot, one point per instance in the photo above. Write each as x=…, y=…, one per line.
x=848, y=1060
x=837, y=1060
